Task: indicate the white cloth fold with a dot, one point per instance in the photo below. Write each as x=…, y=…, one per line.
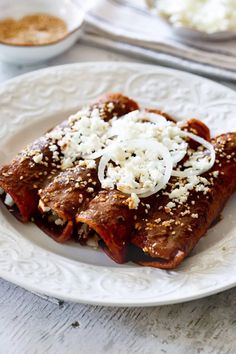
x=128, y=24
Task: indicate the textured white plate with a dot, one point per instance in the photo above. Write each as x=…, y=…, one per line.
x=31, y=104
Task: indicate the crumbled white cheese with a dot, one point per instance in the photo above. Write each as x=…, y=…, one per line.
x=198, y=159
x=170, y=205
x=215, y=174
x=186, y=212
x=38, y=158
x=53, y=147
x=90, y=164
x=85, y=135
x=93, y=241
x=111, y=105
x=181, y=190
x=133, y=201
x=43, y=207
x=208, y=16
x=59, y=222
x=66, y=163
x=8, y=200
x=56, y=134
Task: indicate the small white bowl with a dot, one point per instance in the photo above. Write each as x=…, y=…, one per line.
x=194, y=34
x=67, y=10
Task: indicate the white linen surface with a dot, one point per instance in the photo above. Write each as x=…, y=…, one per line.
x=127, y=25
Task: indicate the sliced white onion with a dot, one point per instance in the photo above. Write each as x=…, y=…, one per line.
x=193, y=171
x=146, y=116
x=178, y=155
x=95, y=155
x=133, y=145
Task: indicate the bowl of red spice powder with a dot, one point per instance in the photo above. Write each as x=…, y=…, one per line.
x=34, y=31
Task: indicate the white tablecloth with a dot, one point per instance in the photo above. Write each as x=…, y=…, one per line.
x=128, y=25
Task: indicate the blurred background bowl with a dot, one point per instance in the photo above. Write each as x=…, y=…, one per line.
x=67, y=10
x=194, y=34
x=187, y=32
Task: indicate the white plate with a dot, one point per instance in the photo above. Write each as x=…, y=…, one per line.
x=32, y=103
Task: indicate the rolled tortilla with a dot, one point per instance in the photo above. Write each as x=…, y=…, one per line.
x=70, y=190
x=167, y=236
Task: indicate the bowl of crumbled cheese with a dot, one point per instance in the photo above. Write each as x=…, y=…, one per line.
x=198, y=19
x=34, y=31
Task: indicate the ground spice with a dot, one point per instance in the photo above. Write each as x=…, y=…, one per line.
x=34, y=29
